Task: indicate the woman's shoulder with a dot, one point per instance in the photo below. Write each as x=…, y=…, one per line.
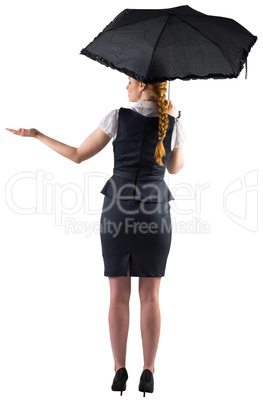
x=109, y=122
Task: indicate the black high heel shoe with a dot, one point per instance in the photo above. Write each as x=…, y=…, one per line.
x=119, y=381
x=146, y=382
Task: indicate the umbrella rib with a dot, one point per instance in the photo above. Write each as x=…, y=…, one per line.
x=156, y=43
x=226, y=57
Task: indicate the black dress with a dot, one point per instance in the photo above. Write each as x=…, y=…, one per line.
x=135, y=222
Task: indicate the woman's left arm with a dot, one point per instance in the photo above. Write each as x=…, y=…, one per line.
x=176, y=161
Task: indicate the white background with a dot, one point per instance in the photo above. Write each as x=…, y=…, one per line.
x=54, y=343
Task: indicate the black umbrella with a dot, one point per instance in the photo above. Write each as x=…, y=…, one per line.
x=165, y=44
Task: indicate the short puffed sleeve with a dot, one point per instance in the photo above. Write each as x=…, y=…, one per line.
x=109, y=124
x=178, y=137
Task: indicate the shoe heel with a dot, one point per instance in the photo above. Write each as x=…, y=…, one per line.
x=146, y=382
x=119, y=381
x=146, y=389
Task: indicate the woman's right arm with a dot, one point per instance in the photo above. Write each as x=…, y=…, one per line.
x=176, y=160
x=93, y=144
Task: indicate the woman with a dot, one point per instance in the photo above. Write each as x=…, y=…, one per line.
x=147, y=139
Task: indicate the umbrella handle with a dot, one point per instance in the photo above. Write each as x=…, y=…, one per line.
x=246, y=70
x=179, y=112
x=168, y=90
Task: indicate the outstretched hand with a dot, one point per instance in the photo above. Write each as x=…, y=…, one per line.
x=23, y=132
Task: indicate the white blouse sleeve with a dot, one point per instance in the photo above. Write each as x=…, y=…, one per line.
x=178, y=136
x=109, y=124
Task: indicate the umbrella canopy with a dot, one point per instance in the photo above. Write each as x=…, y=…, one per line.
x=165, y=44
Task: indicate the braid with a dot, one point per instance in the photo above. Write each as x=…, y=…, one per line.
x=157, y=92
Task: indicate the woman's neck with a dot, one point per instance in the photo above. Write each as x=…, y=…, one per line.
x=146, y=97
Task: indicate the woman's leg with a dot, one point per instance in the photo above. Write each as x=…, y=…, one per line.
x=150, y=319
x=120, y=289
